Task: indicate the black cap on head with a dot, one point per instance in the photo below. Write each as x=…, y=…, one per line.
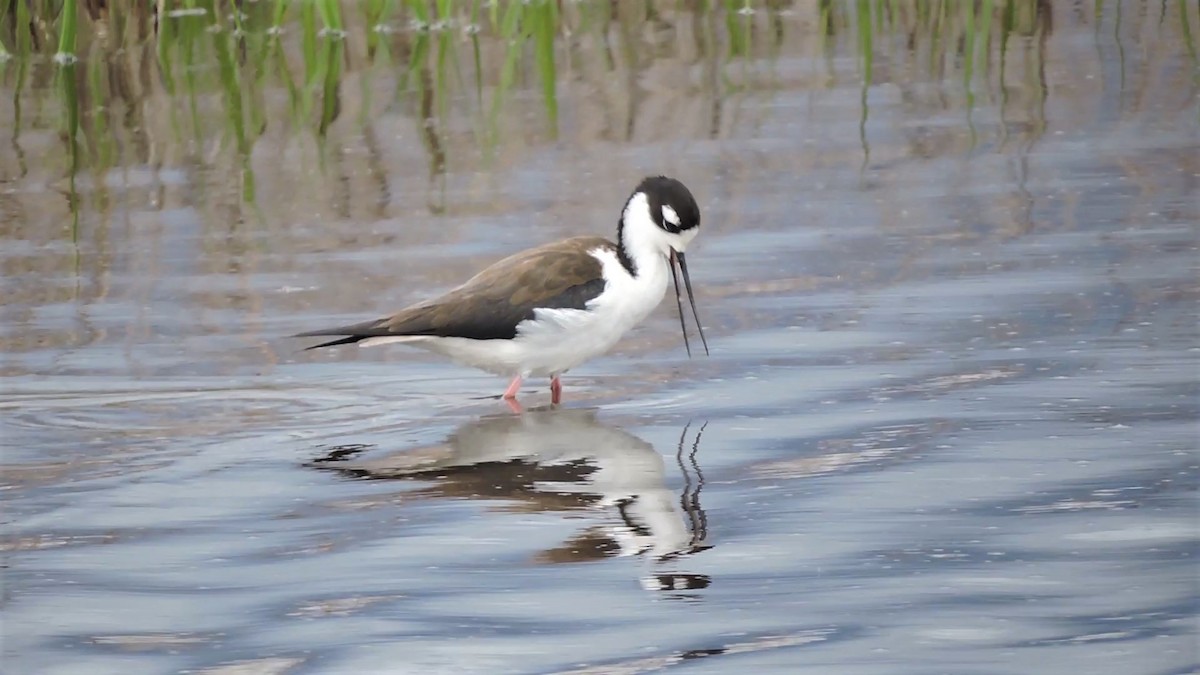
x=681, y=212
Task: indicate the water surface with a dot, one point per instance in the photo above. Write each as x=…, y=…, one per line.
x=948, y=424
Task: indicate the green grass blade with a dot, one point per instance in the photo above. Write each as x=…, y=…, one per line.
x=969, y=39
x=866, y=49
x=1185, y=25
x=308, y=42
x=330, y=91
x=544, y=25
x=477, y=54
x=68, y=32
x=737, y=27
x=986, y=10
x=331, y=16
x=22, y=27
x=866, y=52
x=163, y=48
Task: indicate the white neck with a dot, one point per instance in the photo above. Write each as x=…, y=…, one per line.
x=644, y=243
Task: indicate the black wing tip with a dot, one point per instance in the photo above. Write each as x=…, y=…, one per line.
x=334, y=343
x=344, y=335
x=344, y=330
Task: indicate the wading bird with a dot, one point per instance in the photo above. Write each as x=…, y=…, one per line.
x=545, y=310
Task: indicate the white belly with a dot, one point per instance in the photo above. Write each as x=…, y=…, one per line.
x=556, y=340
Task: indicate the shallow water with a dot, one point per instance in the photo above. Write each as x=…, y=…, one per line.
x=948, y=423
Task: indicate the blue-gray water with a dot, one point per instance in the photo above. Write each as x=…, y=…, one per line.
x=948, y=424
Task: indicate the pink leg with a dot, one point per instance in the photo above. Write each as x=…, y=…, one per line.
x=510, y=395
x=555, y=390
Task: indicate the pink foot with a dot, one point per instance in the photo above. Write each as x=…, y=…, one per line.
x=510, y=395
x=555, y=390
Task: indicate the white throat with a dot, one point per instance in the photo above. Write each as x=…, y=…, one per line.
x=645, y=243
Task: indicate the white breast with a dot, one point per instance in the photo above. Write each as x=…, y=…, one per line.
x=556, y=340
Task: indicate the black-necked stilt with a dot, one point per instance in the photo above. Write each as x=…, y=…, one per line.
x=546, y=310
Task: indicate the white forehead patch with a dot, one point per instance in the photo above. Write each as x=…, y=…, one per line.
x=670, y=216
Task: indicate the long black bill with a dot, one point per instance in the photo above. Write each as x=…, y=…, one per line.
x=687, y=283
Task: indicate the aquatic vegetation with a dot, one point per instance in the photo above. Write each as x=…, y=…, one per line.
x=211, y=73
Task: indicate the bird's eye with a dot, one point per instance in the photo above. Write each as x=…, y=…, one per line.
x=670, y=216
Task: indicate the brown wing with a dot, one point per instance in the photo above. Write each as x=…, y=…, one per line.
x=492, y=303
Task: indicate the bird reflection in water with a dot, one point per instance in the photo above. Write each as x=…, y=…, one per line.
x=558, y=459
